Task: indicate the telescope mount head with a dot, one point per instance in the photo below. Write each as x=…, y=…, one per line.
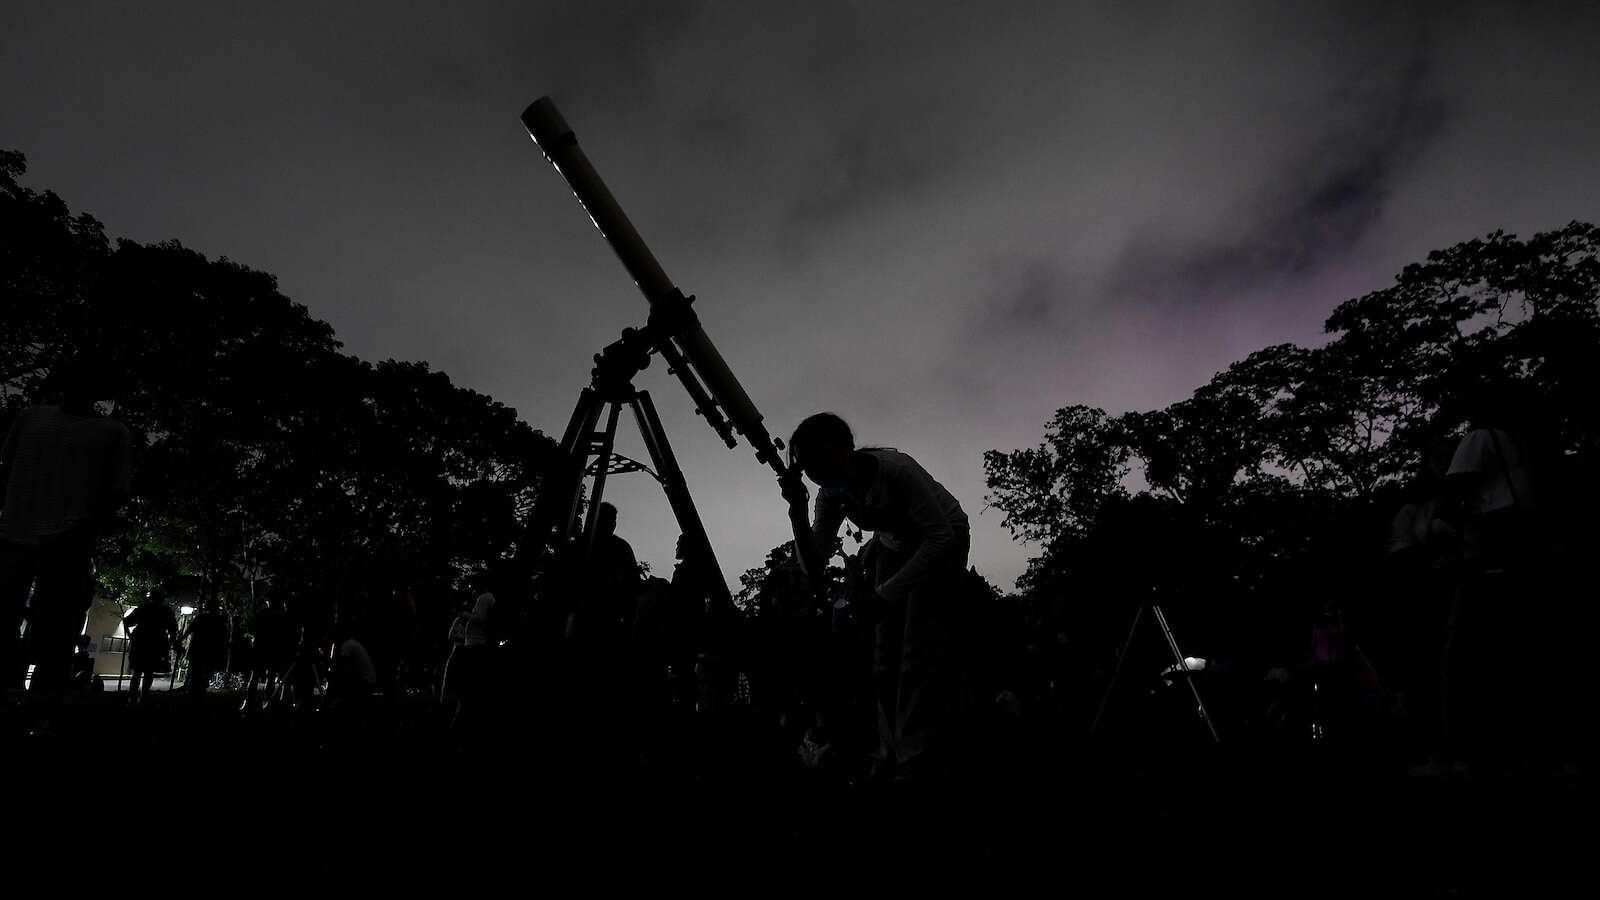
x=615, y=366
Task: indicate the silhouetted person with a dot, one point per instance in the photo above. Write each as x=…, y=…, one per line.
x=923, y=538
x=686, y=619
x=64, y=471
x=353, y=678
x=83, y=665
x=1341, y=681
x=152, y=630
x=479, y=633
x=307, y=671
x=208, y=648
x=271, y=650
x=608, y=590
x=649, y=689
x=473, y=674
x=397, y=627
x=613, y=584
x=1422, y=545
x=1505, y=623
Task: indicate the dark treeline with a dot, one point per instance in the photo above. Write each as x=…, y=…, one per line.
x=1267, y=495
x=265, y=459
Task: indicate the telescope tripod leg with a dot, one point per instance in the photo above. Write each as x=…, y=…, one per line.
x=678, y=496
x=608, y=441
x=1177, y=654
x=556, y=511
x=1122, y=656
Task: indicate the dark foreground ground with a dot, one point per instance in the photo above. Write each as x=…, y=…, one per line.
x=155, y=797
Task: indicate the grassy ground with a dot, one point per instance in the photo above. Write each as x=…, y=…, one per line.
x=392, y=800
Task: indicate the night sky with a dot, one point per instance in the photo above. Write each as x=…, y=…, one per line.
x=941, y=220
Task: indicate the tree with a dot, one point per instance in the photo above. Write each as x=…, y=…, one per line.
x=50, y=263
x=1288, y=459
x=260, y=448
x=1059, y=488
x=1498, y=308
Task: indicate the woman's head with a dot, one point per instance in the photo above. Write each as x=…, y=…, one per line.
x=821, y=447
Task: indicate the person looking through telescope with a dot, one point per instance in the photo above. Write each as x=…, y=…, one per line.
x=923, y=538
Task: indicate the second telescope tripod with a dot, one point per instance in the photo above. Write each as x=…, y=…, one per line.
x=1155, y=614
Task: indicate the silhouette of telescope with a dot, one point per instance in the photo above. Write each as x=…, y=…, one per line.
x=679, y=336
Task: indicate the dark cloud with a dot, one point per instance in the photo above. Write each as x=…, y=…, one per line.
x=1314, y=210
x=1026, y=297
x=717, y=124
x=856, y=170
x=604, y=55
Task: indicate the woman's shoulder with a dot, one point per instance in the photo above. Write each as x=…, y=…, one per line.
x=898, y=465
x=889, y=455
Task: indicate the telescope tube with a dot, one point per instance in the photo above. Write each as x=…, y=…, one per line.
x=560, y=146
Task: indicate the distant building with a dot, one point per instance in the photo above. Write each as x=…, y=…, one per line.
x=108, y=640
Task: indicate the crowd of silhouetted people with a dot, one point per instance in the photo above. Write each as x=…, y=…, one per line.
x=1463, y=650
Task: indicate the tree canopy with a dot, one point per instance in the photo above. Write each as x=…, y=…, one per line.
x=262, y=452
x=1295, y=456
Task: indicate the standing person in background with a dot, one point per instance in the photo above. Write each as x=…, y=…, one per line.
x=1506, y=643
x=686, y=620
x=475, y=667
x=396, y=626
x=608, y=593
x=923, y=538
x=1421, y=548
x=478, y=631
x=152, y=632
x=83, y=677
x=353, y=679
x=208, y=648
x=64, y=471
x=613, y=586
x=308, y=671
x=649, y=691
x=272, y=648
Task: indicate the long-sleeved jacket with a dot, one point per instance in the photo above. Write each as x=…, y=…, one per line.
x=907, y=509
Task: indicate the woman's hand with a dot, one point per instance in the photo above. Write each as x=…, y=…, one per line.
x=795, y=491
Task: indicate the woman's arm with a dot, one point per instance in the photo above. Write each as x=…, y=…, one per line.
x=808, y=538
